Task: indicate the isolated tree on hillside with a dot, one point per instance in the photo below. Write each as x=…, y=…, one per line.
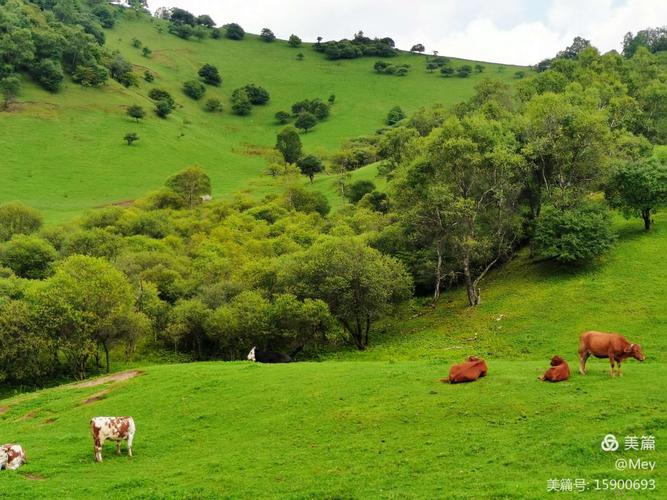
x=130, y=138
x=257, y=95
x=241, y=104
x=137, y=112
x=305, y=121
x=267, y=35
x=234, y=31
x=213, y=105
x=210, y=75
x=10, y=87
x=288, y=143
x=309, y=166
x=194, y=89
x=146, y=52
x=294, y=41
x=163, y=108
x=638, y=189
x=395, y=115
x=418, y=48
x=191, y=183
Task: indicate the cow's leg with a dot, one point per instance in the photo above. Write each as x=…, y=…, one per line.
x=618, y=365
x=611, y=362
x=99, y=443
x=583, y=356
x=117, y=447
x=130, y=438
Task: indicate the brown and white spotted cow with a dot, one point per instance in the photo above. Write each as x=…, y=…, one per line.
x=12, y=456
x=114, y=429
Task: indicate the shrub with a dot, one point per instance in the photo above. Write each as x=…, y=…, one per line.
x=213, y=105
x=464, y=71
x=305, y=121
x=294, y=41
x=302, y=200
x=210, y=75
x=309, y=166
x=135, y=111
x=282, y=117
x=573, y=234
x=241, y=104
x=28, y=256
x=163, y=108
x=267, y=35
x=131, y=137
x=161, y=95
x=92, y=75
x=148, y=76
x=48, y=74
x=194, y=89
x=395, y=115
x=234, y=31
x=257, y=95
x=17, y=218
x=356, y=191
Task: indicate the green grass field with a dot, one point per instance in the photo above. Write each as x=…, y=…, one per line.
x=64, y=152
x=379, y=424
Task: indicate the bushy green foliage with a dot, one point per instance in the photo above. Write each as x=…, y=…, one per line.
x=360, y=46
x=385, y=68
x=131, y=138
x=282, y=117
x=357, y=190
x=257, y=95
x=28, y=256
x=267, y=35
x=241, y=104
x=210, y=75
x=288, y=143
x=194, y=89
x=294, y=41
x=191, y=184
x=305, y=121
x=234, y=32
x=135, y=111
x=395, y=115
x=309, y=166
x=573, y=234
x=638, y=189
x=213, y=105
x=17, y=218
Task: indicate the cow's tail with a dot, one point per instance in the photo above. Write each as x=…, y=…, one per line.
x=445, y=380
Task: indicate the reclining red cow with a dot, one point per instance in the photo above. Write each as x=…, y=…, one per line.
x=468, y=371
x=558, y=372
x=607, y=345
x=115, y=429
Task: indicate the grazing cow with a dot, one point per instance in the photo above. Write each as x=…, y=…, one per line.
x=558, y=372
x=607, y=345
x=12, y=456
x=268, y=356
x=115, y=429
x=468, y=371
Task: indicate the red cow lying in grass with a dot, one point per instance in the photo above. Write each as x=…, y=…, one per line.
x=12, y=456
x=558, y=372
x=468, y=371
x=607, y=345
x=115, y=429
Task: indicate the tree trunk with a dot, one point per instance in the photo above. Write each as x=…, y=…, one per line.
x=473, y=291
x=106, y=354
x=438, y=275
x=646, y=215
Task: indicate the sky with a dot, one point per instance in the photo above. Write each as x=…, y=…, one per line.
x=505, y=31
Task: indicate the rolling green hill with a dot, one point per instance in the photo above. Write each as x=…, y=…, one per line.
x=379, y=424
x=64, y=152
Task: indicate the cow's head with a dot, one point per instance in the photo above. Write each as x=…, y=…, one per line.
x=557, y=360
x=251, y=354
x=635, y=350
x=473, y=359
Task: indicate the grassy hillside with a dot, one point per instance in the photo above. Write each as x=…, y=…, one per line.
x=379, y=424
x=64, y=152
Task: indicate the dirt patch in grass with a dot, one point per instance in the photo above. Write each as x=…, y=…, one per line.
x=34, y=477
x=50, y=420
x=4, y=409
x=116, y=377
x=96, y=397
x=29, y=415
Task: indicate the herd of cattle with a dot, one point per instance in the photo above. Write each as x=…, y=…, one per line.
x=598, y=344
x=601, y=345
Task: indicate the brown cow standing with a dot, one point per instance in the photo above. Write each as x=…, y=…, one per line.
x=607, y=345
x=468, y=371
x=558, y=372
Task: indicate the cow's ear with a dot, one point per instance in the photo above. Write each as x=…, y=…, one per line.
x=629, y=348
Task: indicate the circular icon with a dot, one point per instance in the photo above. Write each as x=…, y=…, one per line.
x=609, y=443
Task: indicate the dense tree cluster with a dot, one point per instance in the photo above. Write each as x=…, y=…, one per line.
x=517, y=165
x=385, y=68
x=653, y=39
x=206, y=280
x=65, y=37
x=186, y=25
x=359, y=46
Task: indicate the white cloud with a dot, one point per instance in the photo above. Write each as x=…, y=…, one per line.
x=510, y=31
